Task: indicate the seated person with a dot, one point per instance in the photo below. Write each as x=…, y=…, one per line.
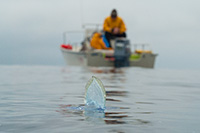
x=98, y=41
x=114, y=27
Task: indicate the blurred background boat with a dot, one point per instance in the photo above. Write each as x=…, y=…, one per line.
x=120, y=56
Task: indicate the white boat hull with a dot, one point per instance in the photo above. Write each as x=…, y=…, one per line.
x=74, y=58
x=97, y=59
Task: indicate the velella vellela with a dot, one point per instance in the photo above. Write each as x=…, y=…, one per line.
x=95, y=97
x=95, y=94
x=94, y=107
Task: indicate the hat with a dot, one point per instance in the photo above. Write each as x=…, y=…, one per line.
x=114, y=13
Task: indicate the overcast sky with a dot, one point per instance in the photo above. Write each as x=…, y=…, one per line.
x=31, y=30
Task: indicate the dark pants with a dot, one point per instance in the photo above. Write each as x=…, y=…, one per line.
x=110, y=36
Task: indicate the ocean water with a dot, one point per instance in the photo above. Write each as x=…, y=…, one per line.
x=39, y=99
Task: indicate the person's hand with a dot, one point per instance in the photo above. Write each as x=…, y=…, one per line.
x=116, y=30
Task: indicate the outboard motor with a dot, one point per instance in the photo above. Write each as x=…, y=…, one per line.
x=122, y=53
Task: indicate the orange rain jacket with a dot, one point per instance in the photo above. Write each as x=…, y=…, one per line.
x=97, y=42
x=109, y=24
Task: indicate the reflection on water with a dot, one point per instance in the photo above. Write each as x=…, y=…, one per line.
x=50, y=99
x=116, y=93
x=135, y=97
x=111, y=115
x=107, y=115
x=119, y=107
x=110, y=99
x=106, y=70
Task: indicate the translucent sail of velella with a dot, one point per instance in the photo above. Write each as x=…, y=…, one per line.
x=95, y=94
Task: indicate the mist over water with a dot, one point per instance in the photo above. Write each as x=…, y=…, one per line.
x=31, y=31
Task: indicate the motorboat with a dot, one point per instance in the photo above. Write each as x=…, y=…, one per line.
x=120, y=56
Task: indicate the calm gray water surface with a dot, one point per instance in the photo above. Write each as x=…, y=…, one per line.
x=36, y=99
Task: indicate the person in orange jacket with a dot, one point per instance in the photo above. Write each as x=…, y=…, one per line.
x=97, y=42
x=114, y=26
